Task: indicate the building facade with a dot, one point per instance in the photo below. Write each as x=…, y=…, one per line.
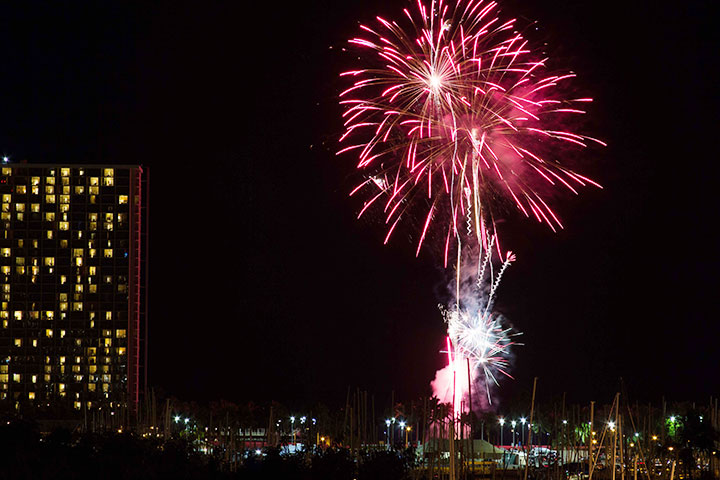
x=72, y=276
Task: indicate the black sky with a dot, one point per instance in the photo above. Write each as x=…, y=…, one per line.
x=263, y=283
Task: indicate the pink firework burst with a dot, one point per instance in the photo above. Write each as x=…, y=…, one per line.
x=455, y=113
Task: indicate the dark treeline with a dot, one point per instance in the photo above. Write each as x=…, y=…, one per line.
x=26, y=453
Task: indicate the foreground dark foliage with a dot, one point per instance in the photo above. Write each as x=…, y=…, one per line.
x=26, y=454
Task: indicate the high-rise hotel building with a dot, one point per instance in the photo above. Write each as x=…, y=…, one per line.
x=72, y=274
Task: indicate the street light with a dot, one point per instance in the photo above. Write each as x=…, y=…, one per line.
x=523, y=420
x=502, y=423
x=292, y=427
x=402, y=427
x=514, y=424
x=387, y=432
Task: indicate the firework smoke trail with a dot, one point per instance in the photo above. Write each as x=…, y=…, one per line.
x=453, y=114
x=476, y=334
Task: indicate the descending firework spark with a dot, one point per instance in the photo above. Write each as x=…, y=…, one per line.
x=455, y=114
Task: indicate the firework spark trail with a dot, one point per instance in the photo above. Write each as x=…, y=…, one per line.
x=454, y=113
x=475, y=333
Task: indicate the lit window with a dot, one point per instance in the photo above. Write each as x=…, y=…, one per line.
x=18, y=315
x=92, y=270
x=4, y=378
x=108, y=342
x=62, y=360
x=20, y=270
x=108, y=315
x=35, y=190
x=49, y=314
x=108, y=181
x=79, y=189
x=49, y=198
x=17, y=377
x=49, y=261
x=7, y=171
x=79, y=261
x=18, y=342
x=77, y=405
x=49, y=216
x=31, y=395
x=19, y=207
x=65, y=207
x=35, y=207
x=121, y=351
x=35, y=181
x=63, y=297
x=121, y=333
x=122, y=199
x=94, y=181
x=64, y=198
x=6, y=198
x=93, y=288
x=49, y=234
x=63, y=225
x=78, y=306
x=21, y=189
x=108, y=253
x=34, y=342
x=5, y=252
x=91, y=388
x=61, y=387
x=49, y=189
x=108, y=278
x=34, y=379
x=108, y=172
x=48, y=332
x=65, y=172
x=63, y=306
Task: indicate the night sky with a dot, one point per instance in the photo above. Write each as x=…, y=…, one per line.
x=263, y=283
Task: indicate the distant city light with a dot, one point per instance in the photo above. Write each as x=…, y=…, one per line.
x=177, y=418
